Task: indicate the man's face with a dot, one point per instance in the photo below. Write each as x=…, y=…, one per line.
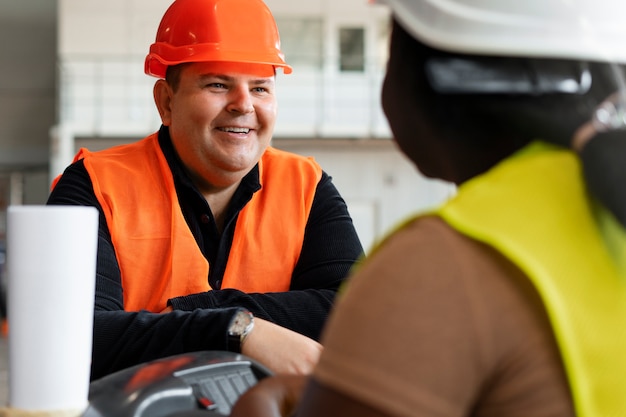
x=221, y=119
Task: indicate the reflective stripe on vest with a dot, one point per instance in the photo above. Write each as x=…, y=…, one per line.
x=158, y=256
x=533, y=208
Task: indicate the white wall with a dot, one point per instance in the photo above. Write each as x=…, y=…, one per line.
x=129, y=26
x=380, y=185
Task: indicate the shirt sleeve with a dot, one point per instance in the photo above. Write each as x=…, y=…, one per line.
x=436, y=324
x=331, y=247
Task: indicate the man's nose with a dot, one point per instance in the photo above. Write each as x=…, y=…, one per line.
x=240, y=100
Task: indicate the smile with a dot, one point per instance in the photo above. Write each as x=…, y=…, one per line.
x=234, y=129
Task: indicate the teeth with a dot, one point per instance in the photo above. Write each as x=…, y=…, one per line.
x=235, y=129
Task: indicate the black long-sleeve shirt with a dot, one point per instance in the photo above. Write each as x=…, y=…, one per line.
x=199, y=321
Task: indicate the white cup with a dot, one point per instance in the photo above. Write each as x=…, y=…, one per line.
x=51, y=269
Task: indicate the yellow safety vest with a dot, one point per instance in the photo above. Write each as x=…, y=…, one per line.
x=158, y=256
x=534, y=209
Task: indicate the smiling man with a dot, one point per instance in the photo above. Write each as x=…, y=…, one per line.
x=209, y=238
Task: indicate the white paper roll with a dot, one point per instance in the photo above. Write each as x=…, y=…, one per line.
x=51, y=269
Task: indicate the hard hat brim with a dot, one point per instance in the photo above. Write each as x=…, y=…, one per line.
x=156, y=66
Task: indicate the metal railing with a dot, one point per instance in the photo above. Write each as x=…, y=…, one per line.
x=111, y=96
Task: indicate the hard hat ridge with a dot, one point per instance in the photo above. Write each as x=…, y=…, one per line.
x=215, y=30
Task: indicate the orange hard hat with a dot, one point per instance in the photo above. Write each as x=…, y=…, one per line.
x=215, y=30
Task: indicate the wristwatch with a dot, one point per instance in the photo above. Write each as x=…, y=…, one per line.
x=239, y=328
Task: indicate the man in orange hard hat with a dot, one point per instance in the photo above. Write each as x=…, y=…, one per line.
x=210, y=239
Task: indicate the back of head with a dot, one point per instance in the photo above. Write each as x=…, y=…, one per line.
x=239, y=31
x=492, y=75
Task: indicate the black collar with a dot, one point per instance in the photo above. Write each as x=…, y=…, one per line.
x=249, y=184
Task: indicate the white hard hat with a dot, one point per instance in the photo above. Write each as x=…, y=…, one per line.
x=592, y=30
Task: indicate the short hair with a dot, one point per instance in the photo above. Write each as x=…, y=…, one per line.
x=172, y=75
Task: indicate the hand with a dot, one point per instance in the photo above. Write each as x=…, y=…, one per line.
x=274, y=396
x=281, y=350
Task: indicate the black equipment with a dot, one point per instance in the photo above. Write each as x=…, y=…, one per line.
x=202, y=384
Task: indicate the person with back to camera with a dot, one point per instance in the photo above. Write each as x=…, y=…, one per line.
x=211, y=239
x=509, y=299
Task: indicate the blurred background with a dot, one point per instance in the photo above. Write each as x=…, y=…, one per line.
x=71, y=75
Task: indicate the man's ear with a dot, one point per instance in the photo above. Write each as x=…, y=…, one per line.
x=163, y=93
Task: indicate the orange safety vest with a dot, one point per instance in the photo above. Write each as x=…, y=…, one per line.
x=158, y=256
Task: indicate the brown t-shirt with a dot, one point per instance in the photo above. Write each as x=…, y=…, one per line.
x=436, y=324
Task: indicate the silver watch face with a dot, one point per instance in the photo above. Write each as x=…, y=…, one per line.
x=241, y=322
